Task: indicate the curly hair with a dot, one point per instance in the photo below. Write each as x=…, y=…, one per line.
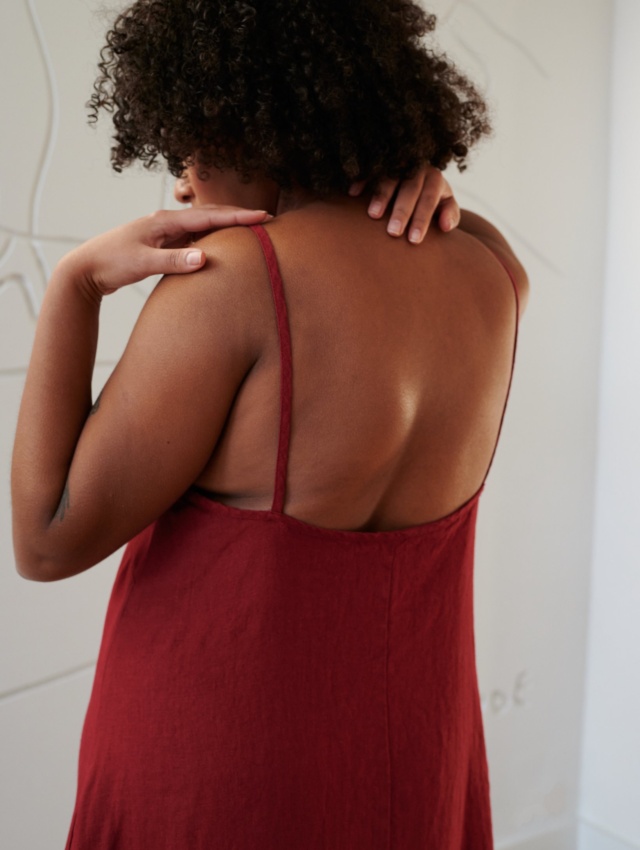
x=318, y=93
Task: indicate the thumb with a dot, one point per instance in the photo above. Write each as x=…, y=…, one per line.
x=179, y=260
x=193, y=258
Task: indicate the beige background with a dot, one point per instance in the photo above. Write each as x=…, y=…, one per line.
x=545, y=66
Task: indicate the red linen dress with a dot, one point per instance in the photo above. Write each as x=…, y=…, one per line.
x=267, y=684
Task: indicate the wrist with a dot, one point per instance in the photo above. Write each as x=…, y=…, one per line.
x=76, y=273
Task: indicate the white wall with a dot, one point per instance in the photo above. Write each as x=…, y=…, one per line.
x=56, y=189
x=611, y=745
x=542, y=181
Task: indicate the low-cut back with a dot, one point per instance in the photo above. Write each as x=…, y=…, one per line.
x=264, y=682
x=401, y=361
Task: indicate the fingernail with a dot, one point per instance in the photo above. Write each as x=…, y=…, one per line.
x=353, y=190
x=194, y=258
x=375, y=208
x=414, y=236
x=395, y=227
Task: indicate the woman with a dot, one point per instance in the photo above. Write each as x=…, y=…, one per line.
x=294, y=441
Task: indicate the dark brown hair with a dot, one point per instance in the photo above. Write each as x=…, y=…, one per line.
x=317, y=93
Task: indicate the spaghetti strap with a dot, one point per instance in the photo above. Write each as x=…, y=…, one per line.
x=284, y=334
x=513, y=363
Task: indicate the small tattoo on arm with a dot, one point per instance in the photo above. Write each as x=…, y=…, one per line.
x=63, y=507
x=95, y=405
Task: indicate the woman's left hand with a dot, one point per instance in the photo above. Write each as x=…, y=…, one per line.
x=420, y=198
x=158, y=243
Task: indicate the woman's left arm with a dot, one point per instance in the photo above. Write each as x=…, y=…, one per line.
x=85, y=479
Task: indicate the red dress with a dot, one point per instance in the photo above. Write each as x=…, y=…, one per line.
x=267, y=684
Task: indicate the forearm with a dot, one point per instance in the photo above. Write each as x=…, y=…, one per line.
x=55, y=404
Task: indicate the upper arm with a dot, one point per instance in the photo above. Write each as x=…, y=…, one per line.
x=164, y=406
x=495, y=241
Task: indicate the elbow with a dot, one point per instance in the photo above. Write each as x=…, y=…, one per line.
x=30, y=560
x=54, y=559
x=45, y=554
x=34, y=566
x=34, y=556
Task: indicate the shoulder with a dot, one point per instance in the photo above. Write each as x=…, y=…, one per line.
x=491, y=237
x=236, y=247
x=234, y=259
x=231, y=292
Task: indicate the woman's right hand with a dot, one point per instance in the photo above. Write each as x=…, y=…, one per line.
x=420, y=199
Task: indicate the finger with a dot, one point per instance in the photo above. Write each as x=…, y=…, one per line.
x=410, y=191
x=357, y=187
x=381, y=197
x=449, y=214
x=173, y=260
x=435, y=191
x=226, y=208
x=423, y=213
x=167, y=225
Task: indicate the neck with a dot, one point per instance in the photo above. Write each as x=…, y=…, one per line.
x=293, y=199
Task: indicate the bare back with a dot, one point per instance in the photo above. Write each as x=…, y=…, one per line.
x=402, y=358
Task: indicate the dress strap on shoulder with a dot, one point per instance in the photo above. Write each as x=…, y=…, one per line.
x=284, y=335
x=513, y=358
